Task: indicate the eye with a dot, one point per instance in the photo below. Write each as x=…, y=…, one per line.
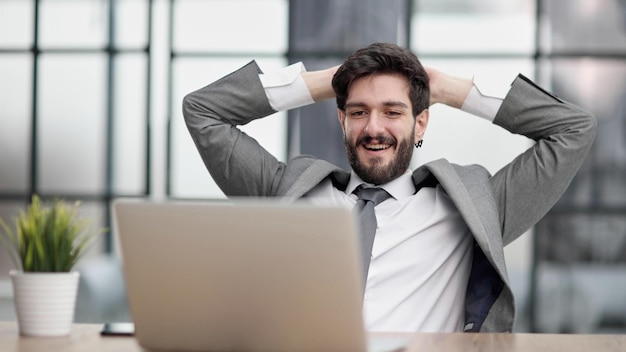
x=357, y=113
x=393, y=113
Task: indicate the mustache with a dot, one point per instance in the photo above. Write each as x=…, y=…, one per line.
x=381, y=139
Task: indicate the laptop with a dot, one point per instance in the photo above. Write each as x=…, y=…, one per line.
x=242, y=276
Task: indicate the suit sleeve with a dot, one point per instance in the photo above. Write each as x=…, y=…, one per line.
x=237, y=163
x=531, y=184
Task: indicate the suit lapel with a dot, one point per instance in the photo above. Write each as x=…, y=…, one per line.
x=482, y=220
x=315, y=174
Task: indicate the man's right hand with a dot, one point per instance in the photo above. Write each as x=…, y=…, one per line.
x=446, y=89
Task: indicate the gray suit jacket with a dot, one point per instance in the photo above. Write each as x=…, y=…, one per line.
x=497, y=208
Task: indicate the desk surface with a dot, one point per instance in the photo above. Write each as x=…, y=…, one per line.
x=86, y=337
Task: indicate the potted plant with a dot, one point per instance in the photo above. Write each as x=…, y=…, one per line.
x=47, y=242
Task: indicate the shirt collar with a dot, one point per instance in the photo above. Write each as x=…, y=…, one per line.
x=399, y=188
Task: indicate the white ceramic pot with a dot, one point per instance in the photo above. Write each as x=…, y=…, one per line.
x=44, y=302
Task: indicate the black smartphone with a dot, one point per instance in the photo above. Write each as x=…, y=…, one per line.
x=118, y=329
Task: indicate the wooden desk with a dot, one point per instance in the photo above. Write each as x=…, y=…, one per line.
x=86, y=337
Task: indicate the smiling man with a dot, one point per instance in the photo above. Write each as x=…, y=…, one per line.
x=383, y=109
x=437, y=260
x=379, y=130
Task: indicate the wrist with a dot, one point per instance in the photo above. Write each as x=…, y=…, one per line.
x=319, y=83
x=455, y=90
x=452, y=91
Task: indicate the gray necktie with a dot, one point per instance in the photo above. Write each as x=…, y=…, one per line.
x=364, y=209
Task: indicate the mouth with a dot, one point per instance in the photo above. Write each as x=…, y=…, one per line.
x=377, y=144
x=376, y=147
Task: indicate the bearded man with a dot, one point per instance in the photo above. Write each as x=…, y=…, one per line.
x=437, y=261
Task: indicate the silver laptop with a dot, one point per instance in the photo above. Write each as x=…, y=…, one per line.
x=249, y=276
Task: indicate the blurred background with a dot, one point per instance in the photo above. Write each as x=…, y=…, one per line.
x=90, y=110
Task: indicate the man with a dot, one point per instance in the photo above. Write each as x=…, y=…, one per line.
x=437, y=261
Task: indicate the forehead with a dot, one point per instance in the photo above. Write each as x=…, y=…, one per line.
x=379, y=88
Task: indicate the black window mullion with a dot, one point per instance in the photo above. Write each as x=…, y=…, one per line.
x=148, y=103
x=34, y=154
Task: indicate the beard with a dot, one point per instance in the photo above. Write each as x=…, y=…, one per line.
x=376, y=172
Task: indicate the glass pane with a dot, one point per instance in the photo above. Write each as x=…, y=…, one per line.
x=580, y=247
x=131, y=23
x=189, y=177
x=577, y=238
x=231, y=26
x=447, y=137
x=346, y=25
x=16, y=23
x=73, y=23
x=72, y=115
x=598, y=86
x=129, y=136
x=15, y=122
x=584, y=298
x=478, y=26
x=584, y=26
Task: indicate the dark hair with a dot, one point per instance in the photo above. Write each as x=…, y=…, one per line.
x=383, y=58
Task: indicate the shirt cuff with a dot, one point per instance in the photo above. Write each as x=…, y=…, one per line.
x=285, y=89
x=482, y=104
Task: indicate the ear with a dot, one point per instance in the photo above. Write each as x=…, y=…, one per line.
x=341, y=115
x=421, y=121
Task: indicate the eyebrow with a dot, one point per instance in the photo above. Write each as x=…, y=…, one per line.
x=386, y=104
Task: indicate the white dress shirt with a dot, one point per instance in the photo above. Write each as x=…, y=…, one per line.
x=422, y=253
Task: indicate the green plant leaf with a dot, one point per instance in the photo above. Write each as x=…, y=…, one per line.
x=48, y=238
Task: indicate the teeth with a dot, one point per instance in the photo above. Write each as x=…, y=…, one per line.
x=377, y=146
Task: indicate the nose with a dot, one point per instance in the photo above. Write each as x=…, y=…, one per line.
x=375, y=123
